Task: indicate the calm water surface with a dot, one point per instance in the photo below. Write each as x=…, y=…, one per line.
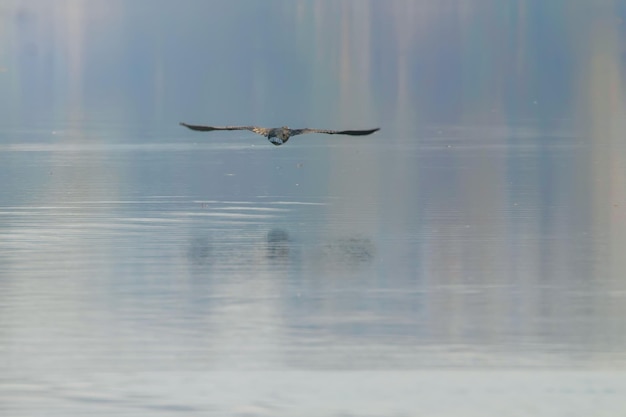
x=465, y=260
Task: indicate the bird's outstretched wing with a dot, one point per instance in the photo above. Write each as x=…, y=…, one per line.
x=259, y=130
x=335, y=132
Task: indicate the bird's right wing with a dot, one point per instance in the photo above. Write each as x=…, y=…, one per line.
x=259, y=130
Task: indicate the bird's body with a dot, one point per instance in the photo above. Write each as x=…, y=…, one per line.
x=280, y=135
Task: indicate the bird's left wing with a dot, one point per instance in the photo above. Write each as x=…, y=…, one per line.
x=335, y=132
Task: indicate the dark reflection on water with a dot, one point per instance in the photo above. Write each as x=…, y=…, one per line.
x=278, y=244
x=200, y=251
x=351, y=251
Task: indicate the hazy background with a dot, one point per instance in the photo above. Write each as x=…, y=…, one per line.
x=467, y=259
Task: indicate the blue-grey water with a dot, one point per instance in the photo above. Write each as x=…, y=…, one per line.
x=468, y=259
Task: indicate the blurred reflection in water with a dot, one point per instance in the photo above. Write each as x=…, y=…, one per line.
x=200, y=251
x=278, y=244
x=482, y=228
x=351, y=251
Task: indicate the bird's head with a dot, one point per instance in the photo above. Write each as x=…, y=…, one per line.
x=283, y=133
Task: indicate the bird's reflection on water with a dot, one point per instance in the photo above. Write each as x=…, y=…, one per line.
x=278, y=244
x=200, y=250
x=349, y=251
x=340, y=252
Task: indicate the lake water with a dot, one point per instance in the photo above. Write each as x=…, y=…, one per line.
x=468, y=259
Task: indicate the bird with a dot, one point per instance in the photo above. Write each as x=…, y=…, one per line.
x=280, y=135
